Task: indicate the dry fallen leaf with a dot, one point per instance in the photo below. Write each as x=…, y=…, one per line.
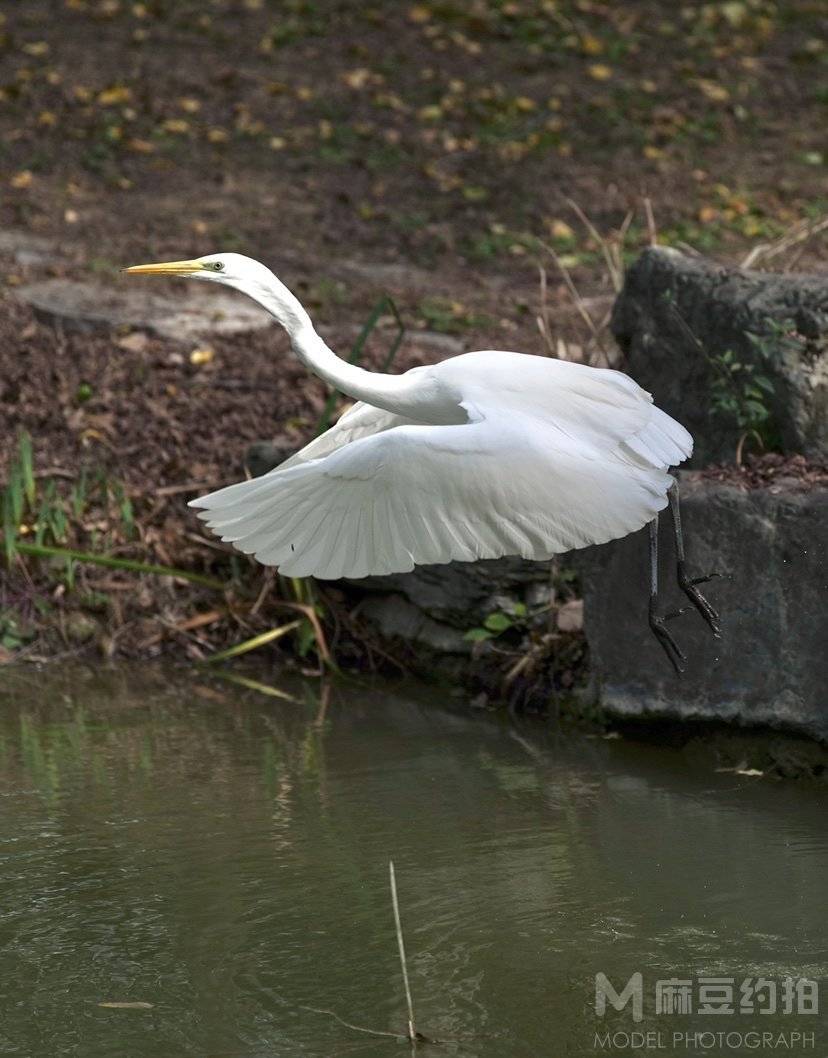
x=713, y=91
x=112, y=96
x=22, y=180
x=600, y=72
x=133, y=343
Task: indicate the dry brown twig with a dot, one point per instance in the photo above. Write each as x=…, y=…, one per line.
x=652, y=230
x=615, y=268
x=578, y=301
x=797, y=234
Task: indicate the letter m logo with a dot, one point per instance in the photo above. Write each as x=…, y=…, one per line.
x=633, y=990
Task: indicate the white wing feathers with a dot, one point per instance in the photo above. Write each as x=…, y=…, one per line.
x=361, y=420
x=376, y=495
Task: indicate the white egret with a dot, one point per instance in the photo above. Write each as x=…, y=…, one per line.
x=485, y=454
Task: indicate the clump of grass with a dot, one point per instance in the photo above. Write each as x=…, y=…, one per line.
x=41, y=521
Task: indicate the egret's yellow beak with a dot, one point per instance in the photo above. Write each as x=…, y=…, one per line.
x=166, y=268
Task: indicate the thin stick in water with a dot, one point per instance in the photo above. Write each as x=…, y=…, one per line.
x=412, y=1032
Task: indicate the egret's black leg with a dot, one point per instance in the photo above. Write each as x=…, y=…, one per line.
x=686, y=583
x=657, y=624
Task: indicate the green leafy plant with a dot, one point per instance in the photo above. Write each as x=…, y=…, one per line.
x=12, y=633
x=448, y=317
x=740, y=389
x=739, y=392
x=499, y=622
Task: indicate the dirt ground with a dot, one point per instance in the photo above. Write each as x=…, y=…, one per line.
x=334, y=139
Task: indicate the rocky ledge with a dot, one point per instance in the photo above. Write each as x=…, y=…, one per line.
x=770, y=667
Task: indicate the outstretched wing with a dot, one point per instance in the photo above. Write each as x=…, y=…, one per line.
x=499, y=485
x=601, y=413
x=360, y=420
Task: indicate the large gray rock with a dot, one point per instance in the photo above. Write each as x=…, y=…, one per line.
x=721, y=309
x=434, y=606
x=770, y=668
x=196, y=312
x=27, y=249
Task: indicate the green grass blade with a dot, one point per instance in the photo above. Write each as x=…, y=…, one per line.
x=27, y=467
x=14, y=494
x=78, y=495
x=9, y=529
x=254, y=643
x=253, y=685
x=128, y=564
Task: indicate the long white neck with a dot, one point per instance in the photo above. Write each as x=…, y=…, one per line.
x=400, y=394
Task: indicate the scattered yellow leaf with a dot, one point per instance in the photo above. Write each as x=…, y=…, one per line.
x=735, y=12
x=176, y=126
x=600, y=72
x=559, y=229
x=712, y=90
x=199, y=357
x=110, y=97
x=138, y=146
x=358, y=78
x=190, y=105
x=591, y=45
x=38, y=48
x=278, y=143
x=751, y=227
x=46, y=118
x=652, y=152
x=22, y=180
x=419, y=13
x=217, y=136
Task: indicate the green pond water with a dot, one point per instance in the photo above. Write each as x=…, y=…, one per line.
x=223, y=857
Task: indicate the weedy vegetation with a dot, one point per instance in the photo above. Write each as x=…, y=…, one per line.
x=53, y=528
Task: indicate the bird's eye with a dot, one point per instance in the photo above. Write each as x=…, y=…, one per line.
x=218, y=265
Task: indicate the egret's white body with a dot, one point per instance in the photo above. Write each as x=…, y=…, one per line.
x=485, y=454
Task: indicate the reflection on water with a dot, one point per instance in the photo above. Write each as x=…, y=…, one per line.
x=224, y=857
